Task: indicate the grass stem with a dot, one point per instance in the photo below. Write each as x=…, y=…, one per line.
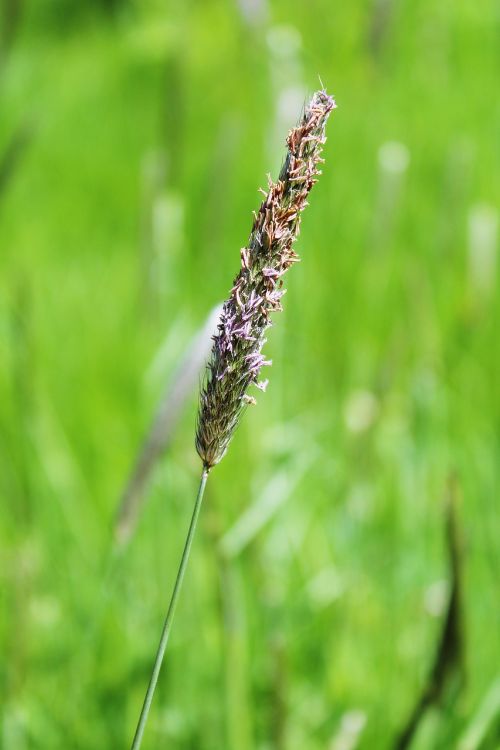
x=170, y=615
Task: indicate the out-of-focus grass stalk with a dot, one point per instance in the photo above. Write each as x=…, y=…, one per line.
x=447, y=674
x=483, y=720
x=239, y=717
x=393, y=163
x=14, y=152
x=483, y=223
x=233, y=618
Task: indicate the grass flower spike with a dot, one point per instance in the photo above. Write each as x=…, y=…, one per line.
x=237, y=358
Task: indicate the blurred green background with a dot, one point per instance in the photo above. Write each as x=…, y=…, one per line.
x=133, y=138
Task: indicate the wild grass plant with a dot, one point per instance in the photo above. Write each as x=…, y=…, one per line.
x=236, y=359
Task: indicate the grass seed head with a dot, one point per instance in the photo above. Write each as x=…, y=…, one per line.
x=236, y=359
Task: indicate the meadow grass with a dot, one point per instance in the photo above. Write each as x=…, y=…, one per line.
x=313, y=597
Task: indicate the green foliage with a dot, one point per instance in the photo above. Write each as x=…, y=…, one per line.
x=121, y=217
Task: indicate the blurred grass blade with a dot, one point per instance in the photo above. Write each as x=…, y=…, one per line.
x=232, y=615
x=61, y=471
x=352, y=725
x=483, y=225
x=381, y=16
x=273, y=496
x=481, y=723
x=393, y=163
x=13, y=153
x=285, y=48
x=163, y=427
x=449, y=658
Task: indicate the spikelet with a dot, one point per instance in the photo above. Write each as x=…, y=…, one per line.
x=236, y=358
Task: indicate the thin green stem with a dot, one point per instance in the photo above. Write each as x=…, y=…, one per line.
x=170, y=615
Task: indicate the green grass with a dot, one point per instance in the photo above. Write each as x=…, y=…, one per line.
x=321, y=610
